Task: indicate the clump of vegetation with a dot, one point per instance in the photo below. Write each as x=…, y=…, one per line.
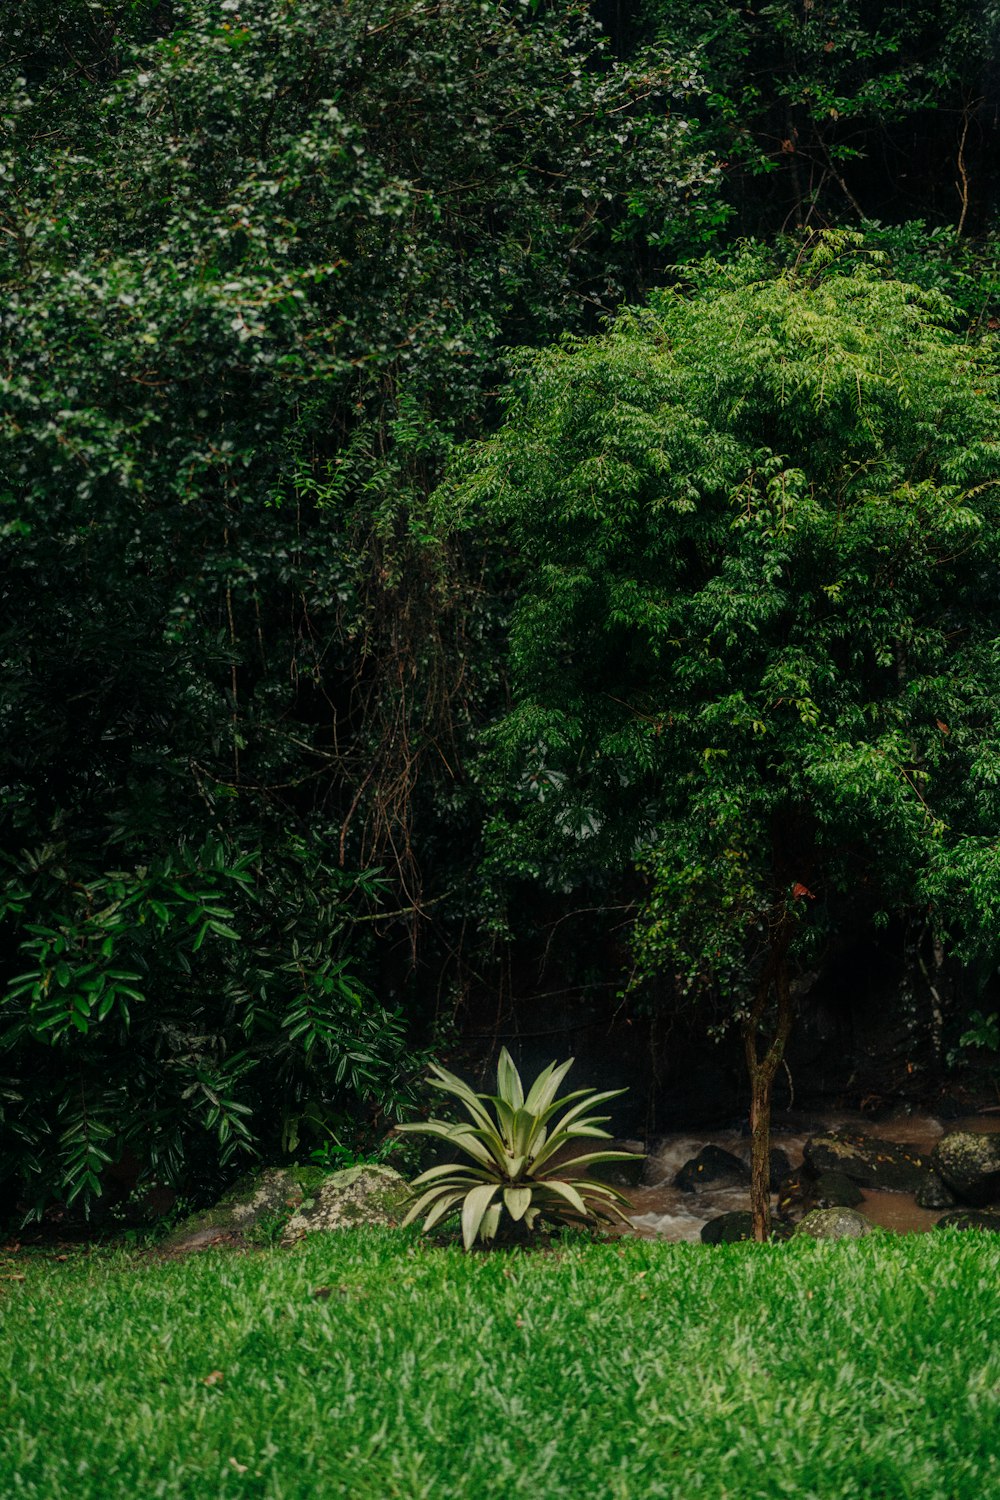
x=520, y=1166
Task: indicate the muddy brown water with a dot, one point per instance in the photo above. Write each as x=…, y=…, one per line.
x=662, y=1211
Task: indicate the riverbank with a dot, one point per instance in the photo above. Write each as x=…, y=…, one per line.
x=371, y=1364
x=664, y=1210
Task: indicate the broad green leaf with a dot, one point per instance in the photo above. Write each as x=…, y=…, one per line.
x=509, y=1081
x=546, y=1086
x=559, y=1139
x=490, y=1224
x=446, y=1204
x=463, y=1137
x=461, y=1091
x=517, y=1201
x=476, y=1203
x=456, y=1170
x=591, y=1157
x=505, y=1116
x=566, y=1191
x=522, y=1128
x=437, y=1194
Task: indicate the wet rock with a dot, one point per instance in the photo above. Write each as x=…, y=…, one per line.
x=781, y=1169
x=970, y=1165
x=869, y=1162
x=836, y=1190
x=796, y=1195
x=712, y=1167
x=728, y=1228
x=970, y=1218
x=935, y=1193
x=834, y=1224
x=802, y=1192
x=355, y=1195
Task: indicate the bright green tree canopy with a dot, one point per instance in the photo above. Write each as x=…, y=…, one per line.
x=755, y=539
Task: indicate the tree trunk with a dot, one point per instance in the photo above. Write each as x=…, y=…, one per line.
x=762, y=1070
x=760, y=1150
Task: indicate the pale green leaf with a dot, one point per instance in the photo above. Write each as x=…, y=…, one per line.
x=517, y=1201
x=475, y=1206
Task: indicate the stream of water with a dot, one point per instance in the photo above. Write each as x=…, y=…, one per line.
x=663, y=1211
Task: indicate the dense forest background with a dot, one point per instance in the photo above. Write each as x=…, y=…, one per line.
x=264, y=264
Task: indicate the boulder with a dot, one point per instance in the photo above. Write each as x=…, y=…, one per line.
x=728, y=1228
x=970, y=1218
x=290, y=1202
x=869, y=1162
x=834, y=1224
x=355, y=1195
x=935, y=1193
x=970, y=1165
x=836, y=1190
x=255, y=1200
x=712, y=1167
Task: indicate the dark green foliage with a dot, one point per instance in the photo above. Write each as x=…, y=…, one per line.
x=755, y=644
x=261, y=262
x=831, y=111
x=755, y=638
x=756, y=537
x=258, y=263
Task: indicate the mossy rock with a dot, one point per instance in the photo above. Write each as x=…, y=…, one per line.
x=970, y=1165
x=255, y=1199
x=868, y=1161
x=293, y=1201
x=834, y=1224
x=355, y=1195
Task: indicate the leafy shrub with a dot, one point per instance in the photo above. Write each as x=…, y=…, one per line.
x=184, y=1015
x=520, y=1166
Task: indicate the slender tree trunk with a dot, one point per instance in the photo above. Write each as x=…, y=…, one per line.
x=762, y=1068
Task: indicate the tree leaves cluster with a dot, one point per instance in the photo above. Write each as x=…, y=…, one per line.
x=259, y=260
x=838, y=111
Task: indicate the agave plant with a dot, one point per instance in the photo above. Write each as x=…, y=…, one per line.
x=517, y=1160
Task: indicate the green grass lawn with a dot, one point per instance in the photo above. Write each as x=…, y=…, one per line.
x=617, y=1369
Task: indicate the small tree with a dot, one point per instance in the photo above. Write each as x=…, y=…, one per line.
x=754, y=650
